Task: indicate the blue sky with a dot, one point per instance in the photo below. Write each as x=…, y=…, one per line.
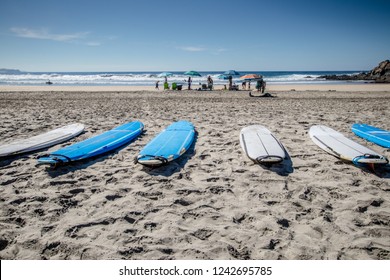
x=169, y=35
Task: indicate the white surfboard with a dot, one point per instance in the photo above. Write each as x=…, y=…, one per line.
x=261, y=146
x=340, y=146
x=41, y=141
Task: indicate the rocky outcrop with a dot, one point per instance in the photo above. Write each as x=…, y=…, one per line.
x=359, y=77
x=380, y=74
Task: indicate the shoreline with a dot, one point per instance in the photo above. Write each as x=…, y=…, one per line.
x=271, y=88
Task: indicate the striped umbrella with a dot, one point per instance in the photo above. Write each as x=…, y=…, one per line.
x=249, y=77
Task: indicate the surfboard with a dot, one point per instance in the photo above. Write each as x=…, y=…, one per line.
x=168, y=145
x=342, y=147
x=94, y=146
x=41, y=141
x=373, y=134
x=261, y=146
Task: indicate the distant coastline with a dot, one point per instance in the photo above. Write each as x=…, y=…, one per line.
x=9, y=71
x=380, y=74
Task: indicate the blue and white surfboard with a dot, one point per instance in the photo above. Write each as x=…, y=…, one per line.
x=96, y=145
x=168, y=145
x=373, y=134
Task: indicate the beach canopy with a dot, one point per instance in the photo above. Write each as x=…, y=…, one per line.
x=192, y=73
x=249, y=77
x=231, y=73
x=223, y=77
x=165, y=74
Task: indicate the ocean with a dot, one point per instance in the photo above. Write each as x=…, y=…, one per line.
x=150, y=78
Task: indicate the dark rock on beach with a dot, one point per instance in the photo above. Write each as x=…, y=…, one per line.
x=380, y=74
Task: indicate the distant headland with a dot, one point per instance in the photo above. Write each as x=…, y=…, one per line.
x=9, y=71
x=380, y=74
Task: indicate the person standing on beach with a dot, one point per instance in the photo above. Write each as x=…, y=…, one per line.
x=210, y=83
x=157, y=84
x=260, y=85
x=230, y=82
x=189, y=83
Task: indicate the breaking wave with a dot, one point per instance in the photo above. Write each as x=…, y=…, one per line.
x=150, y=78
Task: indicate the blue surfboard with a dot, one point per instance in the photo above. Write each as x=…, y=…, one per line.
x=97, y=145
x=373, y=134
x=168, y=145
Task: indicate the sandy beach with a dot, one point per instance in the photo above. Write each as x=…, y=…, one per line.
x=351, y=87
x=214, y=202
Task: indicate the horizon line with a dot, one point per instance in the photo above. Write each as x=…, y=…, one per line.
x=143, y=71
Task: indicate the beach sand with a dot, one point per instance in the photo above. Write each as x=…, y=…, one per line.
x=351, y=87
x=213, y=203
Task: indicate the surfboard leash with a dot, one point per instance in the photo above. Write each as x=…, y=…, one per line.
x=371, y=165
x=160, y=158
x=260, y=160
x=56, y=158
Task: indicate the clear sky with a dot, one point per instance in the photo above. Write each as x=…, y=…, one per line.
x=174, y=35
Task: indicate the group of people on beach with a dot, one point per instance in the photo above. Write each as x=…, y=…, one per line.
x=260, y=84
x=210, y=83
